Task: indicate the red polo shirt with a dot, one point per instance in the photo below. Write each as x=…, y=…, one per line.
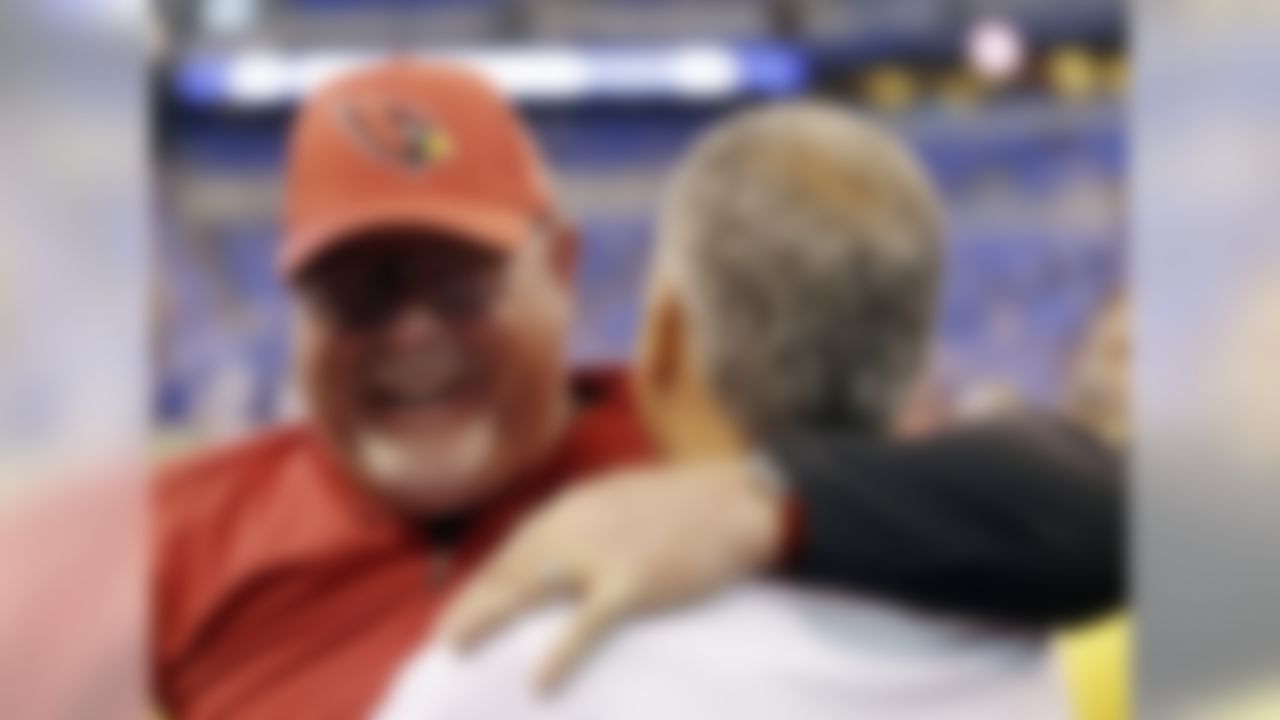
x=282, y=592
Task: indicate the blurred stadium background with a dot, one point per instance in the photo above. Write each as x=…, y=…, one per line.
x=1016, y=106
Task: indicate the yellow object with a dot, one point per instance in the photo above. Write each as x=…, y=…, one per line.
x=890, y=88
x=1115, y=75
x=961, y=90
x=438, y=146
x=1073, y=73
x=1097, y=661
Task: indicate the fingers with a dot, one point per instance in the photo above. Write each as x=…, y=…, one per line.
x=599, y=610
x=492, y=600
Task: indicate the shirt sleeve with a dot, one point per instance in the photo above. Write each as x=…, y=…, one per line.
x=1018, y=520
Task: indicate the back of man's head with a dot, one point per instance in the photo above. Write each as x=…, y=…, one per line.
x=804, y=244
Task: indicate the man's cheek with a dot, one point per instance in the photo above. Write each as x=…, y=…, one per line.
x=490, y=355
x=334, y=380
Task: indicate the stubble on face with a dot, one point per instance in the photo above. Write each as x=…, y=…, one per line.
x=433, y=415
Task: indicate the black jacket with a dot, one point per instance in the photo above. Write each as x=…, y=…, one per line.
x=1018, y=520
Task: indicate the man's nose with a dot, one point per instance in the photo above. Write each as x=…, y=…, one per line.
x=412, y=324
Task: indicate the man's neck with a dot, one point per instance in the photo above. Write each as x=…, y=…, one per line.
x=700, y=439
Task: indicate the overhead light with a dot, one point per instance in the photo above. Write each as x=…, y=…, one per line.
x=995, y=49
x=550, y=73
x=705, y=72
x=261, y=78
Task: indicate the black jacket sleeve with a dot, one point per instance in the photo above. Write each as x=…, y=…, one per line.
x=1016, y=520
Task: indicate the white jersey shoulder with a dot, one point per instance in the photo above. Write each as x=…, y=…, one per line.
x=760, y=652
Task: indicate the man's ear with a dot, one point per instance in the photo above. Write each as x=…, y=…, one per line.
x=663, y=346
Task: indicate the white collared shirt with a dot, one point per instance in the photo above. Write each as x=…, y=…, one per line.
x=763, y=651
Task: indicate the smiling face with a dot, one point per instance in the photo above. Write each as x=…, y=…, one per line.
x=436, y=368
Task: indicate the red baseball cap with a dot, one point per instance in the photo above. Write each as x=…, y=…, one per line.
x=410, y=144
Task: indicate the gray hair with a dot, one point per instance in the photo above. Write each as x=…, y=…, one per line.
x=806, y=243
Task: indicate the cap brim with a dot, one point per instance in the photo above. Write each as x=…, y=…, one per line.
x=489, y=228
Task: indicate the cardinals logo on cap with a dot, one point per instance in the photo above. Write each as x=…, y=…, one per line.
x=396, y=134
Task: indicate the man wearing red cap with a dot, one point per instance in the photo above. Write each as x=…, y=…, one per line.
x=294, y=572
x=434, y=280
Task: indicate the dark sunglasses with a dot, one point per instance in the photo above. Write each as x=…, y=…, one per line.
x=368, y=293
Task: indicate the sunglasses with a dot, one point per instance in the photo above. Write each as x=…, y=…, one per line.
x=368, y=291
